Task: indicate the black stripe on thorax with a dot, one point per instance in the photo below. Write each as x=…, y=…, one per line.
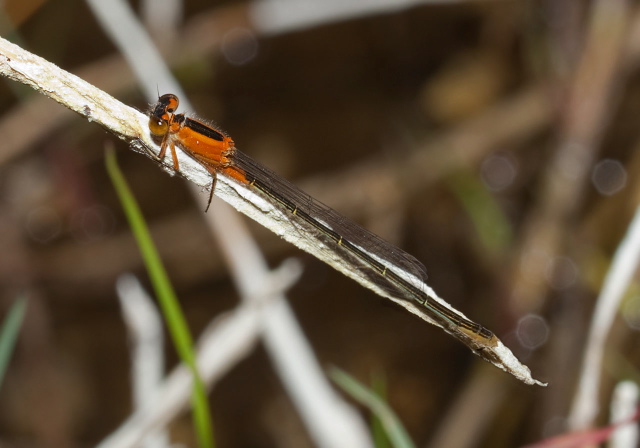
x=203, y=129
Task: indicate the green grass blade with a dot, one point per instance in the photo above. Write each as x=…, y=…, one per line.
x=379, y=387
x=173, y=315
x=9, y=333
x=390, y=422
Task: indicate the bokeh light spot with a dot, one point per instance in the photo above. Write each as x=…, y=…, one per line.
x=498, y=172
x=609, y=176
x=532, y=331
x=239, y=46
x=562, y=273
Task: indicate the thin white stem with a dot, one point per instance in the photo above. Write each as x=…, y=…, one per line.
x=625, y=262
x=277, y=16
x=624, y=408
x=144, y=324
x=222, y=345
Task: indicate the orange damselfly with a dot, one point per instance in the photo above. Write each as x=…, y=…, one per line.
x=388, y=267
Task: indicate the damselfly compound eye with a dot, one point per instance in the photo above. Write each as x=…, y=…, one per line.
x=158, y=127
x=169, y=102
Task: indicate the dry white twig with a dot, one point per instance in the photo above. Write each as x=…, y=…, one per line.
x=222, y=345
x=277, y=16
x=624, y=406
x=625, y=262
x=144, y=323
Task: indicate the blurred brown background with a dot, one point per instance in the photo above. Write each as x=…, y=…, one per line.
x=494, y=141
